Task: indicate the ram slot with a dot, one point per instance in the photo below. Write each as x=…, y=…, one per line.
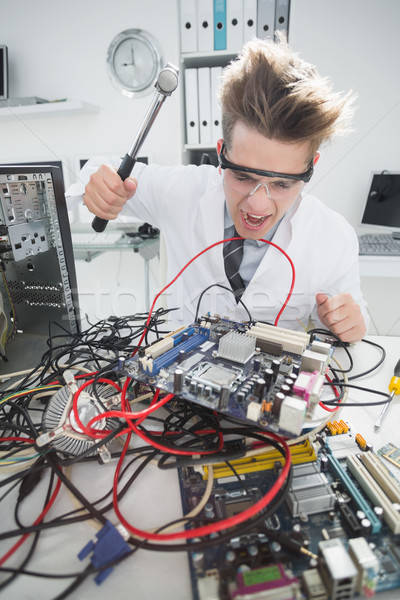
x=169, y=357
x=301, y=453
x=361, y=503
x=374, y=492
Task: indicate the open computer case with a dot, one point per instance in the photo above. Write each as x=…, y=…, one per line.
x=38, y=281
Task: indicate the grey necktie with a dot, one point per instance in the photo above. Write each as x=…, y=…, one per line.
x=233, y=254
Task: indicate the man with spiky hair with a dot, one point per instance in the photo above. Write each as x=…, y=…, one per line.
x=277, y=112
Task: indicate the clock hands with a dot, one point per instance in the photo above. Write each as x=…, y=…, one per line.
x=131, y=64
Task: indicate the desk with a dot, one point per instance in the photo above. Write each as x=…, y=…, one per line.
x=379, y=266
x=87, y=245
x=155, y=499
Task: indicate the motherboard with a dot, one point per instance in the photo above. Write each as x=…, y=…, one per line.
x=258, y=374
x=342, y=507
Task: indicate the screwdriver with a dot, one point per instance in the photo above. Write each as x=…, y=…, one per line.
x=394, y=388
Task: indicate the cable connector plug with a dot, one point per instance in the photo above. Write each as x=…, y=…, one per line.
x=107, y=547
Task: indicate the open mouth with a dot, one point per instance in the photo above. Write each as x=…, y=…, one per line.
x=254, y=221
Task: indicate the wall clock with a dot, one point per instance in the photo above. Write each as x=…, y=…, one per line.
x=134, y=61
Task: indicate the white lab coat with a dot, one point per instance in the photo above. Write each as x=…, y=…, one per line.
x=187, y=204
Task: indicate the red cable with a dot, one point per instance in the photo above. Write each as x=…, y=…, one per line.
x=102, y=433
x=17, y=439
x=96, y=432
x=322, y=405
x=135, y=429
x=213, y=527
x=177, y=451
x=197, y=256
x=128, y=415
x=40, y=518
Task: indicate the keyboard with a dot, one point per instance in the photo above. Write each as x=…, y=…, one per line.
x=380, y=244
x=87, y=239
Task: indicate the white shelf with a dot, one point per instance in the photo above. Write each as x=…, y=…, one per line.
x=207, y=59
x=47, y=109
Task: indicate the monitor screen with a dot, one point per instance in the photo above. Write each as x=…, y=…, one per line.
x=3, y=73
x=382, y=207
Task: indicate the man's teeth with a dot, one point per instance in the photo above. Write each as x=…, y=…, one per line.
x=254, y=218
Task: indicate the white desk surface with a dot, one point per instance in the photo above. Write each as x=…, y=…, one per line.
x=154, y=500
x=379, y=266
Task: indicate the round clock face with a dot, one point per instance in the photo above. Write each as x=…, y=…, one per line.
x=134, y=61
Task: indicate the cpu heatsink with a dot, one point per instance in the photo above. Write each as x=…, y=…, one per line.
x=237, y=347
x=60, y=428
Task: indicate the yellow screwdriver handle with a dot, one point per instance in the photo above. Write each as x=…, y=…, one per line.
x=394, y=385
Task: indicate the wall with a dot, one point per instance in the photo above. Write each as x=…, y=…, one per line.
x=356, y=44
x=58, y=49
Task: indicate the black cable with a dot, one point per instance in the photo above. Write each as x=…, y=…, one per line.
x=378, y=364
x=96, y=514
x=75, y=584
x=339, y=343
x=226, y=289
x=358, y=404
x=35, y=539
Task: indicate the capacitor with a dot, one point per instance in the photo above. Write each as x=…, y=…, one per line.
x=360, y=515
x=378, y=510
x=252, y=550
x=268, y=378
x=178, y=381
x=209, y=510
x=181, y=356
x=198, y=560
x=366, y=526
x=240, y=397
x=277, y=403
x=230, y=556
x=256, y=365
x=224, y=396
x=259, y=388
x=200, y=388
x=193, y=387
x=207, y=391
x=276, y=547
x=295, y=369
x=285, y=389
x=289, y=381
x=275, y=366
x=121, y=363
x=324, y=463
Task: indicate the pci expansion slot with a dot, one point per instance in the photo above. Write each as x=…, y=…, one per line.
x=361, y=503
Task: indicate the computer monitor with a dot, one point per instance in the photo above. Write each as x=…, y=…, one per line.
x=55, y=163
x=3, y=73
x=38, y=279
x=382, y=206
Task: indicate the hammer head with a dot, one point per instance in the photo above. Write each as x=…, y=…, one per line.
x=167, y=80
